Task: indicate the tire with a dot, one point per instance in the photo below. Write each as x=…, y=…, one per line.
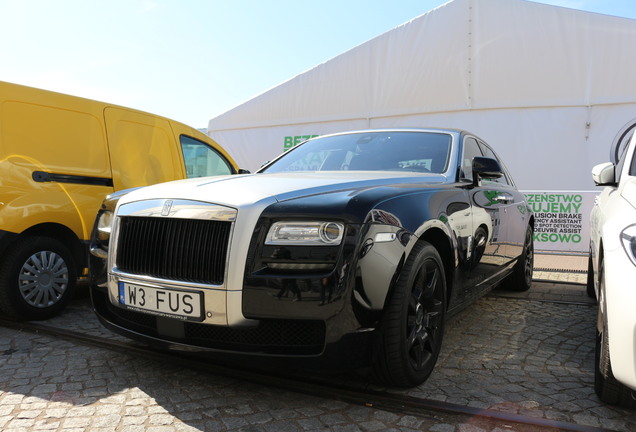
x=591, y=293
x=412, y=326
x=521, y=278
x=37, y=279
x=606, y=386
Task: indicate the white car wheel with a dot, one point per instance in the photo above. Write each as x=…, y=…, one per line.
x=608, y=388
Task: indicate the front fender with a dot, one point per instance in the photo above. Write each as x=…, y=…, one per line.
x=434, y=220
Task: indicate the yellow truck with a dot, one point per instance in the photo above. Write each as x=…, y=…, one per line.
x=60, y=156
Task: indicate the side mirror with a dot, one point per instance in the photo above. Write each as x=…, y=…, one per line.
x=243, y=171
x=604, y=174
x=487, y=168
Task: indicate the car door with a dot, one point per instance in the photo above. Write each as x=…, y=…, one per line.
x=484, y=249
x=512, y=210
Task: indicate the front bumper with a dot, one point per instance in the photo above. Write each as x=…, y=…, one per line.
x=272, y=338
x=275, y=337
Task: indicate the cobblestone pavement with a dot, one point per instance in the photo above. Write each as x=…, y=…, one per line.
x=524, y=353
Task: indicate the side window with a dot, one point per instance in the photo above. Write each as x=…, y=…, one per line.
x=632, y=167
x=471, y=150
x=619, y=150
x=619, y=147
x=490, y=154
x=202, y=160
x=618, y=170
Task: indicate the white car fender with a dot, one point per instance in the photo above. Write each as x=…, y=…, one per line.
x=613, y=215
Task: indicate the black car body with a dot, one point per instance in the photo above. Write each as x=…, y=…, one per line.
x=358, y=243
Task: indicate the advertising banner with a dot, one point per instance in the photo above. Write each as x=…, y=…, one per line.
x=562, y=219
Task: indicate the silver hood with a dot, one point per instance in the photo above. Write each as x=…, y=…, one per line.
x=246, y=190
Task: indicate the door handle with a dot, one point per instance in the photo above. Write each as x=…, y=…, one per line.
x=503, y=198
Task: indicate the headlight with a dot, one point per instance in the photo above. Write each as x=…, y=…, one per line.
x=628, y=239
x=305, y=233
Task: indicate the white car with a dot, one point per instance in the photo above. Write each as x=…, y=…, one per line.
x=611, y=276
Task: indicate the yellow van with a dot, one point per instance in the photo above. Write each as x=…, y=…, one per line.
x=60, y=156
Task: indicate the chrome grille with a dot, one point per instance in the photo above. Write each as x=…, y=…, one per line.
x=190, y=250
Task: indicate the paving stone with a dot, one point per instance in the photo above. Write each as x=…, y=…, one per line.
x=443, y=428
x=312, y=423
x=372, y=426
x=517, y=354
x=76, y=422
x=110, y=420
x=43, y=425
x=280, y=426
x=346, y=428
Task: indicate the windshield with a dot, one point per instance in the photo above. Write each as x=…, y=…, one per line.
x=425, y=152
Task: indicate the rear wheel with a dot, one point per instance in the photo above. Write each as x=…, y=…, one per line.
x=521, y=277
x=37, y=279
x=607, y=387
x=413, y=324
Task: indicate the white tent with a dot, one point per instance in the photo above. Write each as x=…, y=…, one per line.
x=550, y=88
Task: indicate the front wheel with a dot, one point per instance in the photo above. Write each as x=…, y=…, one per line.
x=606, y=386
x=37, y=279
x=412, y=327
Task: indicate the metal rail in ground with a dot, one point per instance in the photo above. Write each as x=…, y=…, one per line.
x=313, y=386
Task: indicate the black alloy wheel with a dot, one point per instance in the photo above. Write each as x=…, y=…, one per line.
x=412, y=328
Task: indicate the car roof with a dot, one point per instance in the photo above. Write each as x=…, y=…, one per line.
x=450, y=131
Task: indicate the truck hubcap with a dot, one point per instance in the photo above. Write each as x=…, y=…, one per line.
x=43, y=279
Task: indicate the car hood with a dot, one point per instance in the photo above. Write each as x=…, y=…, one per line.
x=239, y=190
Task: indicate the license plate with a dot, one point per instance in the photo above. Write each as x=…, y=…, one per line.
x=161, y=301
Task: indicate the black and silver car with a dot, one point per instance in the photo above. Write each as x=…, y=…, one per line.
x=356, y=244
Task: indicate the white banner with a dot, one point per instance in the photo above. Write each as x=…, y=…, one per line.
x=562, y=219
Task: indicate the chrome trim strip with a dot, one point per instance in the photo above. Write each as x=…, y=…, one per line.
x=182, y=209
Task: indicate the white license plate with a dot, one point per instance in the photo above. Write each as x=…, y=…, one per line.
x=161, y=301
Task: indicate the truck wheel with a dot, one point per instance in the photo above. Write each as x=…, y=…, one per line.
x=37, y=279
x=521, y=277
x=412, y=328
